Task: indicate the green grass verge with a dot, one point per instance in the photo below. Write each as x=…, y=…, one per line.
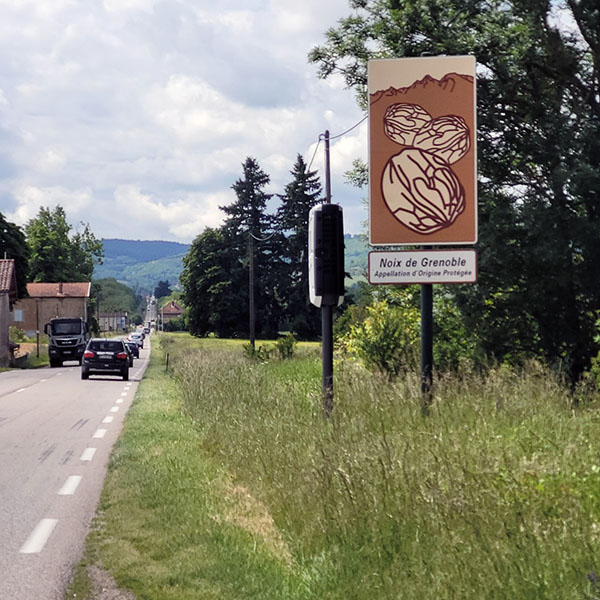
x=228, y=483
x=172, y=522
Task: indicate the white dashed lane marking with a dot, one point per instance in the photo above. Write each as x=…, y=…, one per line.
x=39, y=536
x=43, y=530
x=70, y=485
x=88, y=454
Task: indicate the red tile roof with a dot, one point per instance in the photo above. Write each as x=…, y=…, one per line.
x=8, y=282
x=78, y=289
x=172, y=308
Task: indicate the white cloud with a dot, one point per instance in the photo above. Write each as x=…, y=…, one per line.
x=118, y=6
x=31, y=198
x=136, y=115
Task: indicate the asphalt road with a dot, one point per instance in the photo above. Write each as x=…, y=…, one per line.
x=56, y=434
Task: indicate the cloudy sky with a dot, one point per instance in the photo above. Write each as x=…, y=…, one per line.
x=136, y=115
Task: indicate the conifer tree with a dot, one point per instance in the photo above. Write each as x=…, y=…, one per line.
x=248, y=226
x=300, y=195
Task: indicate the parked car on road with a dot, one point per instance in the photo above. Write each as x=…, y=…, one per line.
x=104, y=356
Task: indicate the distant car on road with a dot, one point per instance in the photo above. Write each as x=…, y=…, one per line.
x=137, y=338
x=133, y=347
x=104, y=356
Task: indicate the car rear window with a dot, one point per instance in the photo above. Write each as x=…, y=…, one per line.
x=106, y=346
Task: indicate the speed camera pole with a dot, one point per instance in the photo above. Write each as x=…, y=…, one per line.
x=326, y=274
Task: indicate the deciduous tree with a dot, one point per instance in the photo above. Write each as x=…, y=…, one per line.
x=56, y=255
x=539, y=154
x=214, y=299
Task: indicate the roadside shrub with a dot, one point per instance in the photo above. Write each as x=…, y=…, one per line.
x=386, y=340
x=286, y=345
x=175, y=324
x=261, y=354
x=16, y=335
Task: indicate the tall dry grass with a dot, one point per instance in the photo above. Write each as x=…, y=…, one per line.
x=495, y=494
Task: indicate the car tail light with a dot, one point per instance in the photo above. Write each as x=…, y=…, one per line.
x=88, y=354
x=122, y=355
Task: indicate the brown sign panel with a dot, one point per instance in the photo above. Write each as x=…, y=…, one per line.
x=422, y=151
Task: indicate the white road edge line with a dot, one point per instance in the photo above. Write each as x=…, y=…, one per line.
x=70, y=485
x=99, y=434
x=119, y=401
x=88, y=454
x=39, y=536
x=108, y=419
x=21, y=390
x=114, y=409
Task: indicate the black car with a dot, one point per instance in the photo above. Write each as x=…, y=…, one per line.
x=133, y=347
x=104, y=356
x=129, y=354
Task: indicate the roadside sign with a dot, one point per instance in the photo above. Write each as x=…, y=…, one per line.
x=423, y=266
x=422, y=151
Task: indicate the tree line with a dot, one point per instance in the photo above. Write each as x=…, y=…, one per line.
x=215, y=275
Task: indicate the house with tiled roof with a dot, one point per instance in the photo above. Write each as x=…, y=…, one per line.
x=8, y=294
x=170, y=311
x=49, y=300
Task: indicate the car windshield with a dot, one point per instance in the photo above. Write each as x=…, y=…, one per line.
x=67, y=328
x=106, y=346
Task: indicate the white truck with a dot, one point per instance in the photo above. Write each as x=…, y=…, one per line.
x=67, y=339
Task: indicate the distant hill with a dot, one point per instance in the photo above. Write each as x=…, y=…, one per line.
x=141, y=264
x=356, y=252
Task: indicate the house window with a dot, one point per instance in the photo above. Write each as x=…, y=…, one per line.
x=18, y=315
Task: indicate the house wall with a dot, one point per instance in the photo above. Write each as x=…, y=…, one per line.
x=167, y=316
x=5, y=321
x=38, y=311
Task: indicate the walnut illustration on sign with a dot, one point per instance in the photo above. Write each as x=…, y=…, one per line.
x=418, y=184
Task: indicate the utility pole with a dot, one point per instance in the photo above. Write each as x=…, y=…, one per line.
x=251, y=306
x=327, y=311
